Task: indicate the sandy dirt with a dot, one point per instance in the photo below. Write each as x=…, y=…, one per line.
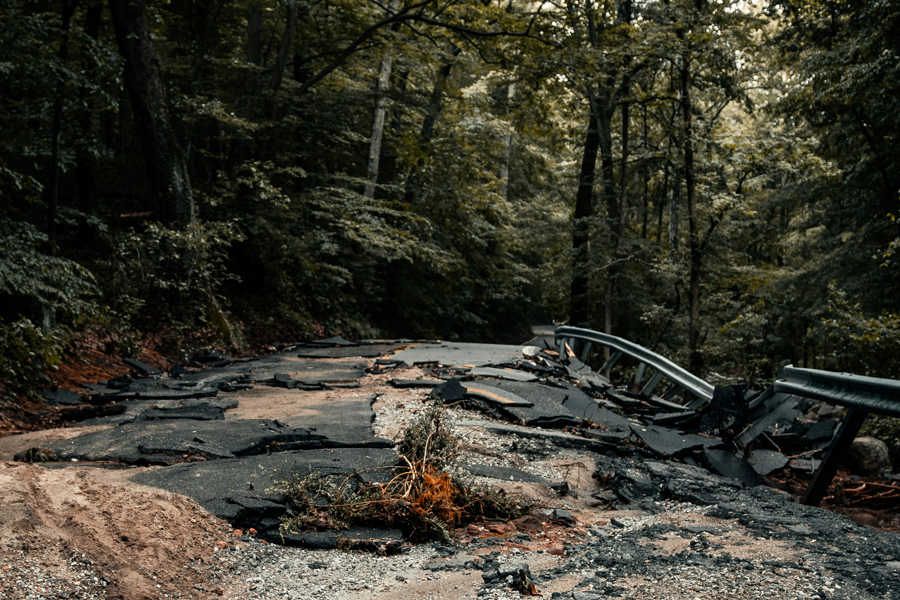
x=139, y=542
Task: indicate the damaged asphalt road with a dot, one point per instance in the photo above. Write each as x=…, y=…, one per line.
x=645, y=492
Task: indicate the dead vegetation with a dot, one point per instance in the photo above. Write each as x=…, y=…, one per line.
x=421, y=498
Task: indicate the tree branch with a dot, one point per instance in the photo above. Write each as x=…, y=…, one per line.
x=405, y=15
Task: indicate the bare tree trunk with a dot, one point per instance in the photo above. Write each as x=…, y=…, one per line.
x=413, y=181
x=51, y=192
x=645, y=177
x=254, y=32
x=619, y=232
x=284, y=49
x=674, y=201
x=384, y=75
x=696, y=360
x=584, y=198
x=84, y=160
x=381, y=86
x=167, y=174
x=507, y=143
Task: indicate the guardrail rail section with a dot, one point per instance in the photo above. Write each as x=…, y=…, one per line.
x=680, y=379
x=859, y=394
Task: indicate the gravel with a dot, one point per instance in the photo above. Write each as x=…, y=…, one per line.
x=714, y=560
x=266, y=571
x=73, y=577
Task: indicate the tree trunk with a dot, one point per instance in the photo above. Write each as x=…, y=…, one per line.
x=436, y=103
x=413, y=182
x=613, y=217
x=616, y=204
x=84, y=160
x=696, y=253
x=284, y=49
x=381, y=84
x=674, y=202
x=584, y=198
x=604, y=123
x=645, y=179
x=51, y=192
x=167, y=173
x=619, y=231
x=507, y=144
x=254, y=33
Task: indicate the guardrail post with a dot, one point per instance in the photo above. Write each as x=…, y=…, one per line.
x=839, y=446
x=651, y=385
x=639, y=375
x=615, y=356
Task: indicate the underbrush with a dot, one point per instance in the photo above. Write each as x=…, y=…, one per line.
x=421, y=498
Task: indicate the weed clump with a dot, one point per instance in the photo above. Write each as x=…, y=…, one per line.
x=429, y=440
x=421, y=498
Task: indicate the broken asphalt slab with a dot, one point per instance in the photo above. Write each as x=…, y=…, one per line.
x=62, y=398
x=236, y=466
x=164, y=438
x=671, y=442
x=510, y=374
x=546, y=402
x=141, y=366
x=459, y=354
x=161, y=442
x=235, y=489
x=415, y=383
x=504, y=473
x=364, y=351
x=767, y=461
x=540, y=405
x=132, y=410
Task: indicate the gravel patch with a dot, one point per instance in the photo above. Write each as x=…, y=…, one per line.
x=33, y=576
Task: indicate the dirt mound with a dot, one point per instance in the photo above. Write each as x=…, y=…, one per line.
x=93, y=533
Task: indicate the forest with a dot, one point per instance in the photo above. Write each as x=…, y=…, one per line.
x=717, y=180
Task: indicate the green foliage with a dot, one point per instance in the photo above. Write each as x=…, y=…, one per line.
x=858, y=343
x=30, y=69
x=25, y=353
x=33, y=286
x=169, y=274
x=35, y=281
x=469, y=233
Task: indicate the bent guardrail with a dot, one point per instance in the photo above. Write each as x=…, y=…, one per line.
x=857, y=392
x=861, y=395
x=680, y=378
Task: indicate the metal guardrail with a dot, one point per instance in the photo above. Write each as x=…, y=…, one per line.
x=859, y=394
x=881, y=396
x=682, y=379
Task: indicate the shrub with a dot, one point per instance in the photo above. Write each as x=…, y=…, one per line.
x=421, y=498
x=174, y=275
x=36, y=285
